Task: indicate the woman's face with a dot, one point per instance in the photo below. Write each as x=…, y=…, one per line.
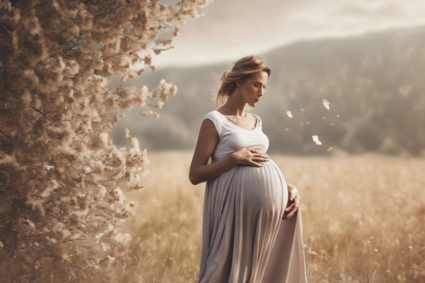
x=252, y=89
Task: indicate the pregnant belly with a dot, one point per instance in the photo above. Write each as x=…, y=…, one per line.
x=264, y=188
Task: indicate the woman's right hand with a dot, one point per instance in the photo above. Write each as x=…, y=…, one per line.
x=251, y=156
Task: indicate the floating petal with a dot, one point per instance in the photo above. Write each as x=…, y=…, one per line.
x=326, y=103
x=316, y=140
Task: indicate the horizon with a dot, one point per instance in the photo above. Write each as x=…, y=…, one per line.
x=300, y=41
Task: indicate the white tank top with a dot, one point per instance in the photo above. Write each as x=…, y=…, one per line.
x=233, y=137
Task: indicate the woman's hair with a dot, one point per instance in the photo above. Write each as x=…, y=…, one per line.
x=241, y=71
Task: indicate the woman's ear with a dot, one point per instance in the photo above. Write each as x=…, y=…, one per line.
x=239, y=83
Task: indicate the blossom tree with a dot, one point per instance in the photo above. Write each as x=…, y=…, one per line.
x=62, y=180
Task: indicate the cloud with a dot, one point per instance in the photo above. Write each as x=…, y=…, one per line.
x=362, y=10
x=231, y=29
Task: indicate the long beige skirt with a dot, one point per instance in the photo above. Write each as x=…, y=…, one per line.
x=244, y=239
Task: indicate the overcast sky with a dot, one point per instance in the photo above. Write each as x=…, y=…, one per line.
x=231, y=29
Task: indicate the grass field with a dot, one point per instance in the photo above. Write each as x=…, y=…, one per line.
x=363, y=219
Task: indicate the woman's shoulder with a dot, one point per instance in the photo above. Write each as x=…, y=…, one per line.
x=212, y=114
x=215, y=118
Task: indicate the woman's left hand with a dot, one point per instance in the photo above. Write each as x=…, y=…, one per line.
x=293, y=202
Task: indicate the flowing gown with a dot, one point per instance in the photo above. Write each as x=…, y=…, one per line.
x=244, y=238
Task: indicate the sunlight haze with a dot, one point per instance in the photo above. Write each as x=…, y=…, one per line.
x=232, y=29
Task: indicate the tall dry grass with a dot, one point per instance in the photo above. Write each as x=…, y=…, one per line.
x=363, y=219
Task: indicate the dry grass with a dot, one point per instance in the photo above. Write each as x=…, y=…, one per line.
x=363, y=219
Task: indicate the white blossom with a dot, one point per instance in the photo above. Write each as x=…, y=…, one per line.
x=60, y=160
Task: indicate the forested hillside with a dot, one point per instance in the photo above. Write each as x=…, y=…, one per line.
x=373, y=82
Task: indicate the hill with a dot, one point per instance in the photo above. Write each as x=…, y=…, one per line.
x=372, y=81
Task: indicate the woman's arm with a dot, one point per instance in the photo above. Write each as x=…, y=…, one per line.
x=293, y=192
x=293, y=201
x=207, y=140
x=290, y=186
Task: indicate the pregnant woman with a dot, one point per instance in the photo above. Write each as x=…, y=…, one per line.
x=252, y=229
